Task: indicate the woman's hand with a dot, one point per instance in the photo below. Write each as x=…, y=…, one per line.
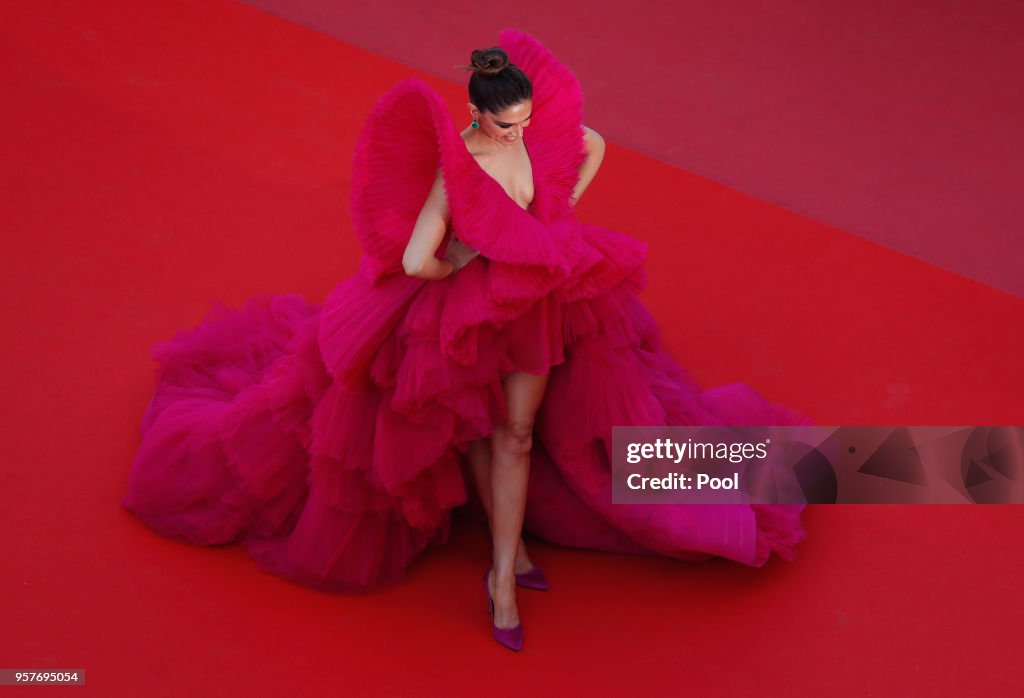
x=459, y=253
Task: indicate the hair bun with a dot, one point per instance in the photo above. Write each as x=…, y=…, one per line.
x=489, y=61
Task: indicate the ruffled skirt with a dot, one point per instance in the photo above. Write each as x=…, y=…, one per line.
x=327, y=439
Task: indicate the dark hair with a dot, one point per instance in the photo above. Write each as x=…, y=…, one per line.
x=496, y=83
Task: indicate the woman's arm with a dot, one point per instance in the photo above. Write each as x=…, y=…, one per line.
x=418, y=259
x=594, y=144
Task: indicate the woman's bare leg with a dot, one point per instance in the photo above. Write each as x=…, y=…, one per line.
x=510, y=472
x=479, y=457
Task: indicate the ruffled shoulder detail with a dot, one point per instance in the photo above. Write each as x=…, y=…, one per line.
x=555, y=134
x=408, y=136
x=393, y=168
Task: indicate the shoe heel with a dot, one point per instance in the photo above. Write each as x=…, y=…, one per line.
x=487, y=593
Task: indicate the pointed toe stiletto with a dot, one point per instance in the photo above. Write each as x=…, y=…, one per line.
x=509, y=637
x=533, y=579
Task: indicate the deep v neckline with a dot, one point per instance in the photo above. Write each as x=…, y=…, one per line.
x=533, y=177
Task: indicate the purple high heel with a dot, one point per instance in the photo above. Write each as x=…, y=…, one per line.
x=510, y=637
x=533, y=578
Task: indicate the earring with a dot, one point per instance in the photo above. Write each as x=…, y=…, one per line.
x=476, y=124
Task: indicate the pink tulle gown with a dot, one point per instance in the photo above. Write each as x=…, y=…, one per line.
x=327, y=438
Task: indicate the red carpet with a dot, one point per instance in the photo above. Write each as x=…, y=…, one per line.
x=149, y=144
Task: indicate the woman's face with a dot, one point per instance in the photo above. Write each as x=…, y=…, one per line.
x=505, y=127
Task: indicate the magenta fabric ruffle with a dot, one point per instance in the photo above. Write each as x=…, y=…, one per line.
x=327, y=438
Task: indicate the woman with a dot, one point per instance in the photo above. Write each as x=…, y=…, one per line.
x=330, y=440
x=501, y=108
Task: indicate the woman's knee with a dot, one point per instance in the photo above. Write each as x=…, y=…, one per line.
x=515, y=436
